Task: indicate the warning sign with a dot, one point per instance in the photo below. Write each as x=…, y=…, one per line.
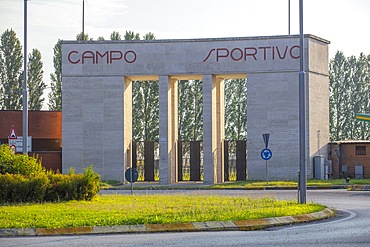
x=12, y=134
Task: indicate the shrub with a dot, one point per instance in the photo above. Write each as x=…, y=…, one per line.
x=16, y=188
x=23, y=179
x=18, y=163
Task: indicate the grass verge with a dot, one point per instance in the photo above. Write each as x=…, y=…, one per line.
x=109, y=210
x=292, y=184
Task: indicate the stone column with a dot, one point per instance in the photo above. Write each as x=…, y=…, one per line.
x=213, y=128
x=173, y=130
x=218, y=122
x=127, y=123
x=167, y=129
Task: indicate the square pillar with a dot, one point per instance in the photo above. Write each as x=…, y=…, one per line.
x=167, y=129
x=127, y=123
x=213, y=128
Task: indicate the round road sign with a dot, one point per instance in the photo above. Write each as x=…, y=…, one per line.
x=131, y=175
x=266, y=154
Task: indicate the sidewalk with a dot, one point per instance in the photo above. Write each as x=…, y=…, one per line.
x=239, y=225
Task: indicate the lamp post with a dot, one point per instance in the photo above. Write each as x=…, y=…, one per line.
x=302, y=115
x=25, y=100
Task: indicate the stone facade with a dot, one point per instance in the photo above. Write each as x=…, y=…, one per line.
x=97, y=100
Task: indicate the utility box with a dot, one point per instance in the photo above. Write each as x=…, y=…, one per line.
x=318, y=167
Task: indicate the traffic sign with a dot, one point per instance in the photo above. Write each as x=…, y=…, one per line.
x=12, y=134
x=18, y=143
x=131, y=175
x=266, y=154
x=266, y=138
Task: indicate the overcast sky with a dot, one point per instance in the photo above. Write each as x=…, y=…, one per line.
x=345, y=23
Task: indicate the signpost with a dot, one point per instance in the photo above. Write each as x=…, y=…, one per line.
x=266, y=154
x=131, y=176
x=16, y=142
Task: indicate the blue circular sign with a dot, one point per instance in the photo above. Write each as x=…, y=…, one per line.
x=266, y=154
x=131, y=175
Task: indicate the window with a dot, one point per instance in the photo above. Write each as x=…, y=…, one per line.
x=360, y=150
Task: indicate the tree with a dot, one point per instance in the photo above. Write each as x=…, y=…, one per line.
x=145, y=103
x=35, y=82
x=115, y=36
x=55, y=96
x=83, y=36
x=236, y=109
x=190, y=110
x=337, y=91
x=11, y=61
x=101, y=38
x=149, y=36
x=349, y=94
x=130, y=35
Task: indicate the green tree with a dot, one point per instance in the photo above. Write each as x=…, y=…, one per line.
x=145, y=103
x=83, y=36
x=130, y=35
x=349, y=94
x=236, y=109
x=190, y=110
x=11, y=62
x=337, y=91
x=55, y=96
x=35, y=81
x=100, y=38
x=361, y=96
x=149, y=36
x=115, y=36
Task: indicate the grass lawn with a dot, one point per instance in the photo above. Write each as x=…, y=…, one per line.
x=109, y=210
x=292, y=184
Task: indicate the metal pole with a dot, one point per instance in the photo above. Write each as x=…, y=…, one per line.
x=288, y=17
x=267, y=177
x=302, y=113
x=25, y=101
x=83, y=20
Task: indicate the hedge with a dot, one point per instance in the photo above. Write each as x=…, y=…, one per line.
x=16, y=188
x=23, y=179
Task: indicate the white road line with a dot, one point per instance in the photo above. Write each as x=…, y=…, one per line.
x=351, y=215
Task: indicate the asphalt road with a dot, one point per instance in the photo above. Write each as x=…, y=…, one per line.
x=350, y=228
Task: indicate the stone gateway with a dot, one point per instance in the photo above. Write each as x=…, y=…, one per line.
x=97, y=101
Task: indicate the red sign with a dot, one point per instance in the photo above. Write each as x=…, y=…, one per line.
x=12, y=134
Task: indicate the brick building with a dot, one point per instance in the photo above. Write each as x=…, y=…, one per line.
x=45, y=128
x=350, y=158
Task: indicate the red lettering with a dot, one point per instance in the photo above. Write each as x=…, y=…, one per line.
x=240, y=54
x=292, y=54
x=69, y=58
x=133, y=59
x=98, y=54
x=278, y=52
x=209, y=54
x=115, y=58
x=219, y=55
x=264, y=48
x=87, y=55
x=251, y=54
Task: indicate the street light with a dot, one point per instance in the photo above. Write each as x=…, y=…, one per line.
x=25, y=100
x=302, y=115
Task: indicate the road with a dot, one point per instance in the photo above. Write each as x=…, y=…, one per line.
x=350, y=228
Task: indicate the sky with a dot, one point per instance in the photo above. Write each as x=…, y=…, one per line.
x=345, y=23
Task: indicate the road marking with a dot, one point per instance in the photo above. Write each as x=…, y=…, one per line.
x=351, y=215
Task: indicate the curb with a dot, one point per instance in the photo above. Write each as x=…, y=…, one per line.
x=359, y=188
x=238, y=225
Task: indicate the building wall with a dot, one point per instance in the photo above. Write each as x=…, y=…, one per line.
x=45, y=127
x=96, y=79
x=351, y=159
